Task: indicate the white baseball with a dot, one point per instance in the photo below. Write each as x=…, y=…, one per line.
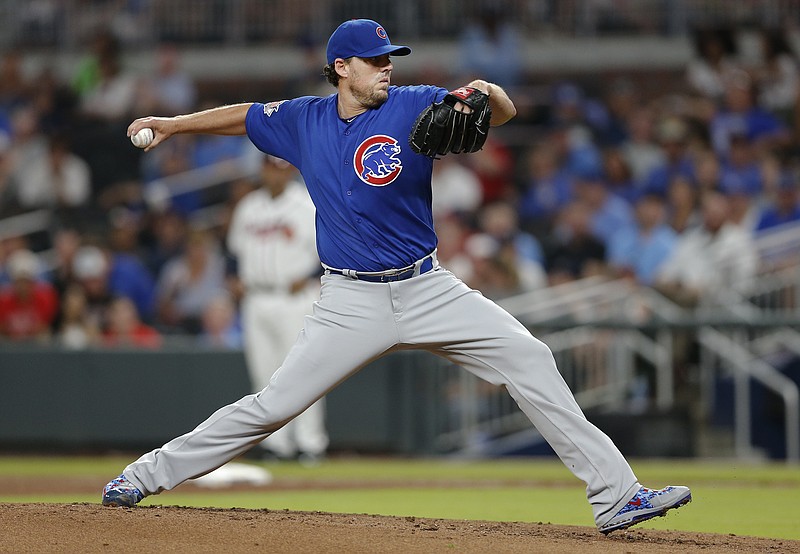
x=143, y=138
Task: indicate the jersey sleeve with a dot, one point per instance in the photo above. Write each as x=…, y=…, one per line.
x=273, y=129
x=425, y=95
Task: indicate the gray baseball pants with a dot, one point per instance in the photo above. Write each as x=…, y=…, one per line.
x=356, y=322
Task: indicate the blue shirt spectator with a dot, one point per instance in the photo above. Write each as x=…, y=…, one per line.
x=106, y=275
x=743, y=180
x=544, y=197
x=786, y=206
x=640, y=252
x=609, y=212
x=493, y=48
x=673, y=135
x=129, y=277
x=741, y=116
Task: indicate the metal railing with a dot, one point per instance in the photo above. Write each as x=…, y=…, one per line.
x=69, y=23
x=746, y=366
x=598, y=328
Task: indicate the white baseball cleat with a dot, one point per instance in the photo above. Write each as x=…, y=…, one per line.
x=647, y=504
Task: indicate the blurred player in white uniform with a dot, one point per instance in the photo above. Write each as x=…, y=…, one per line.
x=272, y=235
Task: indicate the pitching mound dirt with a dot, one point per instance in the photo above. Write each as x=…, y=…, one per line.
x=92, y=528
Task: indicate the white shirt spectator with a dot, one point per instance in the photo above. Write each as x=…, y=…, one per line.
x=456, y=188
x=60, y=179
x=711, y=263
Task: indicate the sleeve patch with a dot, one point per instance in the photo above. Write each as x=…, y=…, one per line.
x=272, y=107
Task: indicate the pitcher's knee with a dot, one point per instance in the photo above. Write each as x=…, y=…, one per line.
x=274, y=411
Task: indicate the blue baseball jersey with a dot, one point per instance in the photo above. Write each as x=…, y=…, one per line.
x=371, y=191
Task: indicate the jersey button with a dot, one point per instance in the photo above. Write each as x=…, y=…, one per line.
x=346, y=162
x=358, y=220
x=349, y=193
x=347, y=132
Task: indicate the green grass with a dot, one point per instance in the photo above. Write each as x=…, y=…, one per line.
x=729, y=496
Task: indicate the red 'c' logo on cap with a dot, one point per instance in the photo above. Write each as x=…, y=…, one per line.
x=381, y=32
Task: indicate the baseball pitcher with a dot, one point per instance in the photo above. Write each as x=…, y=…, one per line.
x=366, y=154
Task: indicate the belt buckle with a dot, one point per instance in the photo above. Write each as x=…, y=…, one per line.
x=392, y=277
x=399, y=276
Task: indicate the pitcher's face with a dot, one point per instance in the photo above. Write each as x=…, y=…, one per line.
x=368, y=79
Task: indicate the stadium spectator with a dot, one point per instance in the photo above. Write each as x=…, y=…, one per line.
x=573, y=110
x=188, y=282
x=640, y=150
x=86, y=77
x=124, y=228
x=518, y=249
x=456, y=188
x=682, y=205
x=639, y=253
x=785, y=207
x=707, y=173
x=741, y=180
x=714, y=60
x=74, y=329
x=740, y=115
x=165, y=239
x=491, y=46
x=622, y=100
x=124, y=329
x=494, y=166
x=499, y=220
x=105, y=275
x=673, y=138
x=618, y=175
x=14, y=89
x=609, y=212
x=220, y=324
x=546, y=188
x=777, y=76
x=572, y=251
x=453, y=233
x=710, y=260
x=60, y=179
x=169, y=90
x=495, y=267
x=53, y=100
x=28, y=147
x=27, y=306
x=66, y=242
x=8, y=246
x=111, y=97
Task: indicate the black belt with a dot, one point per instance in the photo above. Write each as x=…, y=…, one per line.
x=428, y=264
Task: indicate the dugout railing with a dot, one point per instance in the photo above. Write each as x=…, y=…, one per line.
x=628, y=349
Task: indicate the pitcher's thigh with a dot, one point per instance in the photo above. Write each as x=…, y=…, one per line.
x=331, y=347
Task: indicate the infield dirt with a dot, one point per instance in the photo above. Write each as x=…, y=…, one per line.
x=92, y=528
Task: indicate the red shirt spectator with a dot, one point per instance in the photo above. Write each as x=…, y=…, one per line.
x=27, y=307
x=125, y=329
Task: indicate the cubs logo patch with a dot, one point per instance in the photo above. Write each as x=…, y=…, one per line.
x=272, y=107
x=377, y=160
x=381, y=32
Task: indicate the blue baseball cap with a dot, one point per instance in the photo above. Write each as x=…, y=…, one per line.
x=363, y=38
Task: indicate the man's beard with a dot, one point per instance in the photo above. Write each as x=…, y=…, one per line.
x=371, y=99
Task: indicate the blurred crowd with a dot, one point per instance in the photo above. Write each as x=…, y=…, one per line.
x=667, y=190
